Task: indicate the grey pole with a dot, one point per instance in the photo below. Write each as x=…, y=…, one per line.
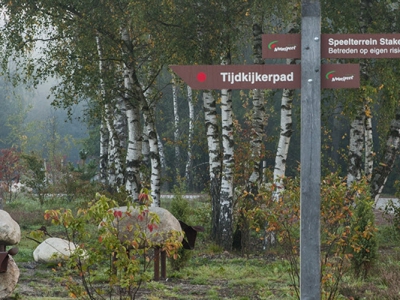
x=310, y=156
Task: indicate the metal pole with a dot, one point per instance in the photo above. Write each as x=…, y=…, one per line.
x=310, y=157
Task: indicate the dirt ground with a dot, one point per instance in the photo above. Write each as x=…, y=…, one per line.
x=34, y=283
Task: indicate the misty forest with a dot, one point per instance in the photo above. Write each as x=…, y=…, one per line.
x=92, y=113
x=91, y=106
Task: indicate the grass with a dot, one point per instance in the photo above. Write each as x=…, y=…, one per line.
x=211, y=273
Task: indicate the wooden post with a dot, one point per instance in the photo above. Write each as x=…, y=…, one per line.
x=163, y=264
x=156, y=263
x=310, y=156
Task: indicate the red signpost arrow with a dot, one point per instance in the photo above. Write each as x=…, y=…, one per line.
x=211, y=77
x=239, y=76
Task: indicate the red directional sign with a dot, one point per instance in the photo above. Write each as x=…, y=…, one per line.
x=240, y=76
x=216, y=77
x=377, y=45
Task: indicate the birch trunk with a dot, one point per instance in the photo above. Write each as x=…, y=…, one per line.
x=112, y=154
x=176, y=122
x=120, y=139
x=357, y=127
x=145, y=147
x=369, y=148
x=150, y=129
x=104, y=132
x=116, y=166
x=103, y=161
x=226, y=195
x=382, y=171
x=115, y=124
x=161, y=151
x=286, y=130
x=356, y=147
x=258, y=117
x=189, y=161
x=134, y=151
x=214, y=153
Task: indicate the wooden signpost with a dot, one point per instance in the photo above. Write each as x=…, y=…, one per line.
x=309, y=46
x=310, y=151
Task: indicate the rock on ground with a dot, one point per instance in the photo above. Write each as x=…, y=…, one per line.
x=10, y=233
x=53, y=250
x=9, y=279
x=129, y=222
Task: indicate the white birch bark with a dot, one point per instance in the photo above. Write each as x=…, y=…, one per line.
x=103, y=160
x=214, y=153
x=176, y=121
x=226, y=194
x=115, y=123
x=258, y=121
x=150, y=130
x=356, y=148
x=369, y=149
x=161, y=152
x=145, y=147
x=258, y=117
x=189, y=161
x=104, y=132
x=286, y=131
x=120, y=143
x=134, y=150
x=357, y=127
x=112, y=147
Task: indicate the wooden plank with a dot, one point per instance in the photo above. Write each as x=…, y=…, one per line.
x=310, y=156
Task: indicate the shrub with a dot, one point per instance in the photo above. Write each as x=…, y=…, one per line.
x=105, y=266
x=35, y=178
x=347, y=230
x=181, y=210
x=364, y=244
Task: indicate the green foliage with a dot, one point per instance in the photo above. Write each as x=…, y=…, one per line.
x=76, y=181
x=364, y=242
x=348, y=237
x=106, y=263
x=180, y=208
x=35, y=178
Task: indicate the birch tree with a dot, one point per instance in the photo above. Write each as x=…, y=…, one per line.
x=284, y=139
x=226, y=194
x=381, y=73
x=176, y=123
x=189, y=161
x=71, y=54
x=214, y=158
x=258, y=118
